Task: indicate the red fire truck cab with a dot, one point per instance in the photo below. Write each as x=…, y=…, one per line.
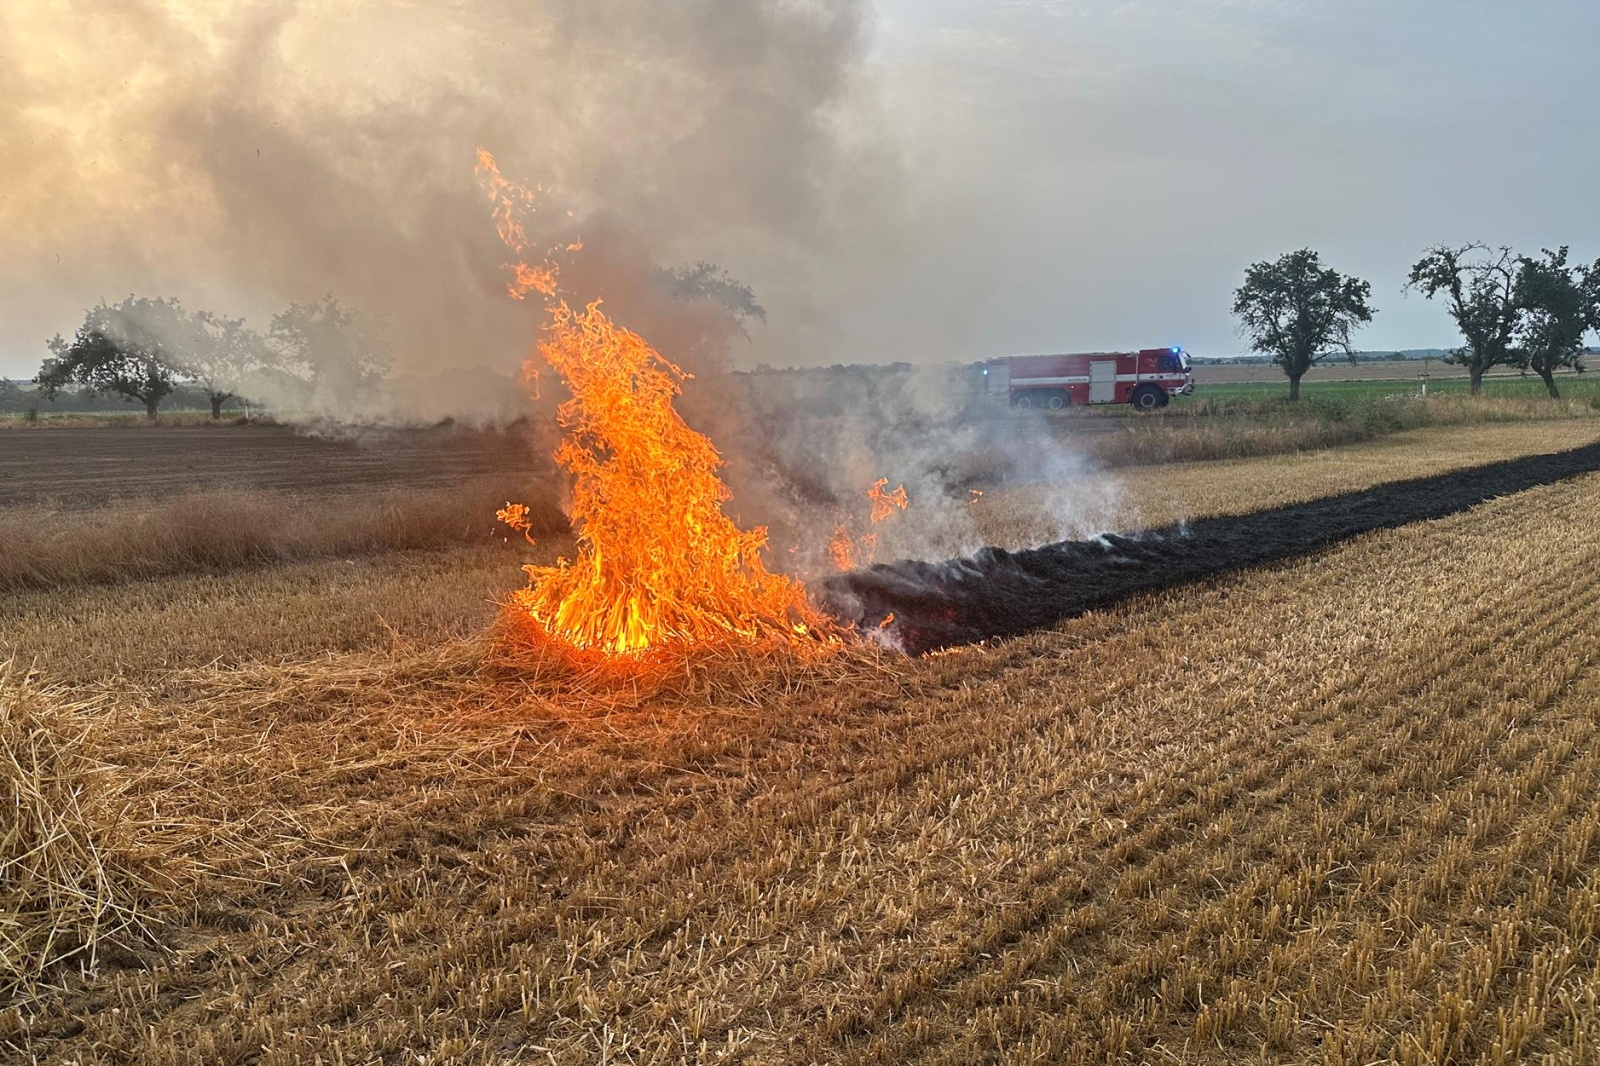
x=1146, y=378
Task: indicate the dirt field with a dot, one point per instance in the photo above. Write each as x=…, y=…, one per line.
x=80, y=467
x=1340, y=810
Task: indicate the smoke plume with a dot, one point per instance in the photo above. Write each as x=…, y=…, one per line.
x=245, y=155
x=807, y=444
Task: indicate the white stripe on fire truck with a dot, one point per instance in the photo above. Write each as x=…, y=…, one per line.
x=1082, y=380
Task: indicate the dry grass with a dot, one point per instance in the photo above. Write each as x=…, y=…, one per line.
x=253, y=771
x=308, y=610
x=1018, y=516
x=293, y=612
x=69, y=887
x=218, y=530
x=591, y=684
x=50, y=547
x=1340, y=811
x=1205, y=430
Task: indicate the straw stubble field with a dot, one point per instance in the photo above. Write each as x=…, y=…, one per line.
x=1343, y=810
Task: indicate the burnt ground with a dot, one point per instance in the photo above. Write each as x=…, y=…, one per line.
x=85, y=466
x=999, y=593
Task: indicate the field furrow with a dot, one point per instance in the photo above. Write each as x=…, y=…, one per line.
x=1339, y=810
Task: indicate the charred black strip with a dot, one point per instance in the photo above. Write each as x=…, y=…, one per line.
x=999, y=593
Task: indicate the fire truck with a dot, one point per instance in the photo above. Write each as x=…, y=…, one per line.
x=1146, y=378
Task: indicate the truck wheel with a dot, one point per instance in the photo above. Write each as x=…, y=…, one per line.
x=1023, y=402
x=1056, y=401
x=1149, y=397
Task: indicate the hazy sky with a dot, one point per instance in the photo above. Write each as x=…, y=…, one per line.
x=1024, y=176
x=1117, y=164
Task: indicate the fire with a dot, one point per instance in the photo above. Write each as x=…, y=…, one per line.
x=848, y=551
x=659, y=567
x=515, y=516
x=842, y=547
x=884, y=503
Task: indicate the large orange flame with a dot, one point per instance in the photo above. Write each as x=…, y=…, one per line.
x=659, y=567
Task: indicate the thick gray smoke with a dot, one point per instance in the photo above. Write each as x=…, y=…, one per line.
x=242, y=156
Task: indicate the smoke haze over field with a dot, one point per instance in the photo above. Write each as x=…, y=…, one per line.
x=907, y=179
x=244, y=155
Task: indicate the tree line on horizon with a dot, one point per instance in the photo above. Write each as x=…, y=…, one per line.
x=143, y=349
x=320, y=355
x=1530, y=313
x=1527, y=312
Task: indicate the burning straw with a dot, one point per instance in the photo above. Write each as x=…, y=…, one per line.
x=68, y=887
x=660, y=570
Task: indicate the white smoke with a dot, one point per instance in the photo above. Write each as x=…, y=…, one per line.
x=808, y=445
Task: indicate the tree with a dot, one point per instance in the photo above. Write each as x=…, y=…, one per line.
x=132, y=350
x=336, y=349
x=1298, y=312
x=1590, y=284
x=1555, y=316
x=220, y=354
x=707, y=281
x=1480, y=285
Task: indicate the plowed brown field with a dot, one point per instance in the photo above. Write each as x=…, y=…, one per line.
x=87, y=466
